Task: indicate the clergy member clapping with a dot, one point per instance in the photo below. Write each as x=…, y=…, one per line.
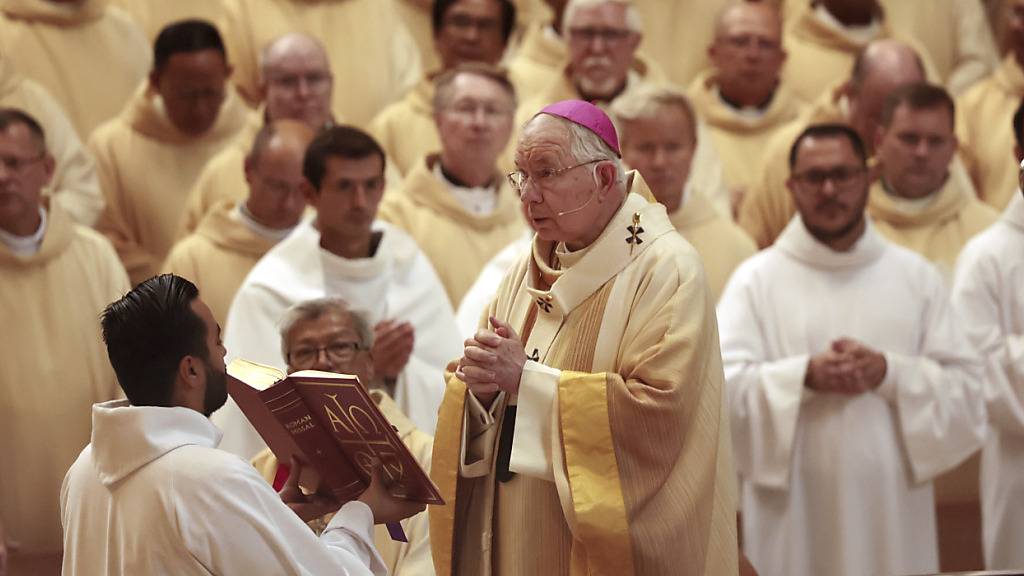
x=152, y=494
x=583, y=429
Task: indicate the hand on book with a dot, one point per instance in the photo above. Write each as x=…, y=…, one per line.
x=392, y=346
x=386, y=508
x=306, y=506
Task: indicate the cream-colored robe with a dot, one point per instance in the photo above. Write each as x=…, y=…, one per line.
x=985, y=129
x=217, y=257
x=55, y=367
x=459, y=244
x=373, y=58
x=677, y=34
x=624, y=351
x=541, y=56
x=410, y=558
x=146, y=168
x=152, y=15
x=406, y=129
x=74, y=185
x=740, y=139
x=90, y=57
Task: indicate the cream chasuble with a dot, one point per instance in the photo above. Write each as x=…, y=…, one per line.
x=373, y=58
x=90, y=57
x=154, y=16
x=218, y=256
x=406, y=129
x=476, y=300
x=838, y=484
x=55, y=367
x=146, y=167
x=410, y=558
x=985, y=129
x=623, y=348
x=986, y=294
x=74, y=184
x=459, y=244
x=397, y=282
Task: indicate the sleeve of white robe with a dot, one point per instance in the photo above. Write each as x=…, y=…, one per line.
x=976, y=299
x=243, y=527
x=937, y=393
x=764, y=392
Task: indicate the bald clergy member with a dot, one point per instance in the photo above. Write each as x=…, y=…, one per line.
x=371, y=51
x=152, y=494
x=235, y=235
x=544, y=449
x=464, y=31
x=90, y=56
x=150, y=155
x=345, y=252
x=56, y=278
x=326, y=334
x=851, y=385
x=456, y=204
x=295, y=84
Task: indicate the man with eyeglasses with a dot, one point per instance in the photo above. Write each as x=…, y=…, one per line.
x=851, y=386
x=55, y=278
x=149, y=156
x=583, y=429
x=326, y=334
x=233, y=236
x=456, y=203
x=346, y=252
x=464, y=31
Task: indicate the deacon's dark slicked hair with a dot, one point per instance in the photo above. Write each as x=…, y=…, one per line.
x=829, y=131
x=496, y=74
x=148, y=332
x=1018, y=125
x=508, y=16
x=13, y=116
x=341, y=141
x=185, y=36
x=918, y=96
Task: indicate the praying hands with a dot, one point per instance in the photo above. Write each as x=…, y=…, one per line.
x=847, y=367
x=492, y=361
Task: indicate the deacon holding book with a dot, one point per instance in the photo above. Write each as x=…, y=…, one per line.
x=583, y=430
x=152, y=494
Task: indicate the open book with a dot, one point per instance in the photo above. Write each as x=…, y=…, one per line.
x=330, y=422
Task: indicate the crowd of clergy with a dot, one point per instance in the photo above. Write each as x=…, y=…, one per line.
x=847, y=171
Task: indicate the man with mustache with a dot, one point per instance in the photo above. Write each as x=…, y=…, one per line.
x=850, y=384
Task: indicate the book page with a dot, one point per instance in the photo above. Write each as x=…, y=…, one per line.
x=257, y=376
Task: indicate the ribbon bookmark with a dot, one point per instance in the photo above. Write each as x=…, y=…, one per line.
x=396, y=532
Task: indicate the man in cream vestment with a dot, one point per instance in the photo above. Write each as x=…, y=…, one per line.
x=150, y=155
x=851, y=386
x=234, y=236
x=296, y=84
x=457, y=204
x=88, y=55
x=468, y=31
x=74, y=185
x=544, y=448
x=56, y=278
x=542, y=52
x=374, y=266
x=372, y=54
x=324, y=334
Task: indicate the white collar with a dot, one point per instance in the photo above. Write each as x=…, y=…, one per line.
x=910, y=206
x=798, y=242
x=1014, y=212
x=25, y=246
x=856, y=34
x=241, y=214
x=477, y=200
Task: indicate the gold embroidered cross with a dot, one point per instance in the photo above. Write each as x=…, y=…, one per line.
x=635, y=231
x=544, y=304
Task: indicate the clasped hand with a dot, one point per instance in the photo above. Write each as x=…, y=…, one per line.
x=847, y=367
x=492, y=361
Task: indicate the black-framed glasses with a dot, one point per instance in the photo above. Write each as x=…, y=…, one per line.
x=337, y=352
x=841, y=176
x=519, y=179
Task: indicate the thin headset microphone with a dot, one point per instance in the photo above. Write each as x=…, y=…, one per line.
x=585, y=204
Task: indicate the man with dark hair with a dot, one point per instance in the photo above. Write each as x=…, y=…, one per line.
x=55, y=277
x=852, y=390
x=152, y=494
x=150, y=155
x=464, y=31
x=374, y=266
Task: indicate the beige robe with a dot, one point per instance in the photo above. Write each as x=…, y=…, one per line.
x=90, y=57
x=985, y=129
x=722, y=244
x=74, y=184
x=624, y=346
x=406, y=129
x=217, y=257
x=677, y=34
x=739, y=139
x=402, y=559
x=537, y=63
x=146, y=168
x=152, y=16
x=459, y=244
x=55, y=367
x=373, y=58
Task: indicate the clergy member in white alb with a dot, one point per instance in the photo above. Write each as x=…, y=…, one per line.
x=375, y=267
x=850, y=383
x=152, y=494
